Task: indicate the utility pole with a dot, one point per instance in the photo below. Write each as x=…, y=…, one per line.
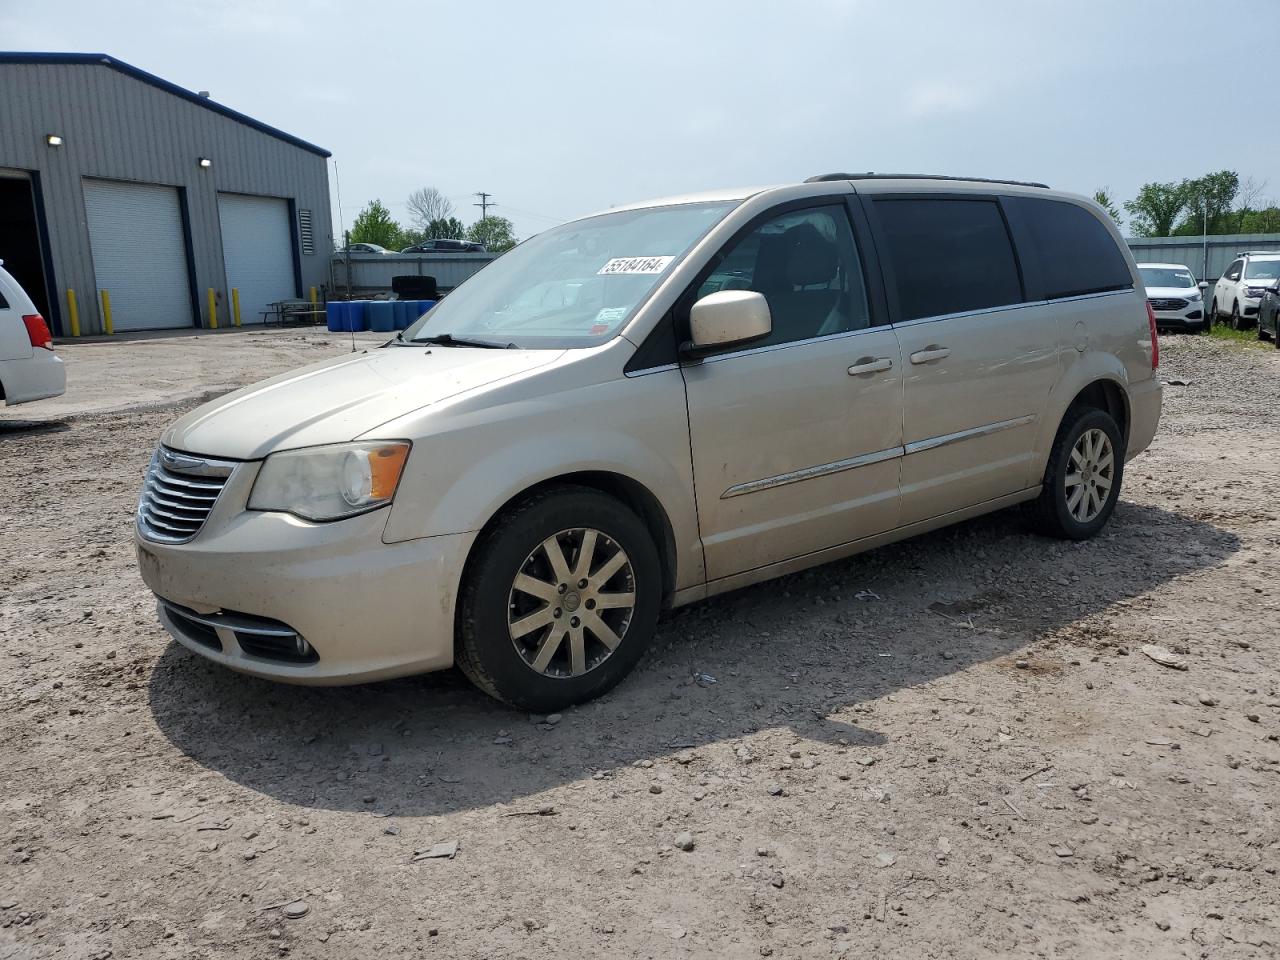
x=484, y=204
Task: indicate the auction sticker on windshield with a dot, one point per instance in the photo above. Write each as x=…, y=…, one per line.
x=634, y=265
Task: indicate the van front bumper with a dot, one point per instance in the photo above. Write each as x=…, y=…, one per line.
x=246, y=593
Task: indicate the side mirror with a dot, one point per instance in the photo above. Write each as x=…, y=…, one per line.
x=725, y=318
x=1203, y=285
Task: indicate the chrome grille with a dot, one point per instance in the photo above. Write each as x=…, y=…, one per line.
x=178, y=494
x=1167, y=304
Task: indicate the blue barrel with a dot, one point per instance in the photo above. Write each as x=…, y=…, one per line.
x=424, y=306
x=335, y=314
x=382, y=315
x=406, y=313
x=356, y=319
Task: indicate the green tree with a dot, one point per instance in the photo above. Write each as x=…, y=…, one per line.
x=1102, y=197
x=1208, y=200
x=445, y=228
x=496, y=233
x=1266, y=220
x=374, y=225
x=1155, y=209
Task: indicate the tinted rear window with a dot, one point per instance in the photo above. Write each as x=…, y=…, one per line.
x=1077, y=253
x=949, y=256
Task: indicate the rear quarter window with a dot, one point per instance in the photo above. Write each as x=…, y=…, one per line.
x=1077, y=254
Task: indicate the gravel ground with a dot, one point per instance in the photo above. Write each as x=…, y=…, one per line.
x=952, y=747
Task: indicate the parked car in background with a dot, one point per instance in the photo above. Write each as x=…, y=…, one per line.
x=1238, y=291
x=1176, y=299
x=1269, y=316
x=444, y=245
x=509, y=484
x=364, y=248
x=29, y=369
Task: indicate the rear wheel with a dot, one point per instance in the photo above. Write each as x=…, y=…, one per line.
x=561, y=600
x=1082, y=480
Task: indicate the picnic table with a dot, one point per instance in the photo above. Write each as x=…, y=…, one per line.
x=293, y=311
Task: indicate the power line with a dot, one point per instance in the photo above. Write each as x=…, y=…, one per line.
x=484, y=204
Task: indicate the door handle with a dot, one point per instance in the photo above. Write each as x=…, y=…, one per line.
x=870, y=365
x=930, y=353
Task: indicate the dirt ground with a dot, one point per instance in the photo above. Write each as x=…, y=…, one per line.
x=952, y=747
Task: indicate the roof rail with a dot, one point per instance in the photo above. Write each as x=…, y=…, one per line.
x=1257, y=253
x=827, y=177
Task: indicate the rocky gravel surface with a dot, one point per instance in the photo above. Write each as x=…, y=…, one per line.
x=952, y=747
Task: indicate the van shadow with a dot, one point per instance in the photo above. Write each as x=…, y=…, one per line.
x=802, y=653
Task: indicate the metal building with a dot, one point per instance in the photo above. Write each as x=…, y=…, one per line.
x=112, y=179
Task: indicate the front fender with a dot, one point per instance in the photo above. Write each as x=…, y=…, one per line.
x=472, y=463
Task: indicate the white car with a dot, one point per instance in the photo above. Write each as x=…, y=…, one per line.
x=1175, y=297
x=1239, y=290
x=29, y=369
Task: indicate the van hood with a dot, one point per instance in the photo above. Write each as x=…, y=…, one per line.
x=338, y=400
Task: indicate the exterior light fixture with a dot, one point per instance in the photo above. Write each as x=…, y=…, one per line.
x=53, y=140
x=205, y=162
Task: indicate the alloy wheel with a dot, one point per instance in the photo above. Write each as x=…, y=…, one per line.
x=1090, y=474
x=571, y=603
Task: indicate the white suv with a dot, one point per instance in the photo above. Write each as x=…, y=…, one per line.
x=1239, y=290
x=29, y=369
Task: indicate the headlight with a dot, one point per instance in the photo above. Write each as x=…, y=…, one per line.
x=1194, y=298
x=329, y=483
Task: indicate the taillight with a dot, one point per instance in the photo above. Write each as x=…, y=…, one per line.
x=1155, y=340
x=38, y=331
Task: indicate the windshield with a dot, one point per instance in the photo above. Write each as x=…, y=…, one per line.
x=1166, y=276
x=572, y=286
x=1262, y=270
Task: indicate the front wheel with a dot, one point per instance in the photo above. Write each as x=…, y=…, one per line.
x=1213, y=315
x=1235, y=316
x=560, y=601
x=1082, y=480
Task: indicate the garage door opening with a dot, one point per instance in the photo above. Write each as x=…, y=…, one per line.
x=20, y=238
x=257, y=251
x=139, y=249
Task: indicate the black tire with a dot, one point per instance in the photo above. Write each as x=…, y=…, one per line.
x=1050, y=511
x=484, y=648
x=1235, y=316
x=1213, y=315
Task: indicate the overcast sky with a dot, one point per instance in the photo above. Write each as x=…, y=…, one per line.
x=560, y=109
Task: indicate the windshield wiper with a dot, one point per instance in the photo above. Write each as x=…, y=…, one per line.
x=449, y=340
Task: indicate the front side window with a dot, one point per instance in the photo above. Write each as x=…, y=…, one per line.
x=1077, y=254
x=1166, y=276
x=806, y=265
x=1262, y=270
x=1233, y=271
x=575, y=285
x=949, y=256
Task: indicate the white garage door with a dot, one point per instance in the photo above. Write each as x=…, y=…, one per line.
x=139, y=255
x=257, y=248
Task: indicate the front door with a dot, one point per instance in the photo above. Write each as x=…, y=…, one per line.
x=796, y=439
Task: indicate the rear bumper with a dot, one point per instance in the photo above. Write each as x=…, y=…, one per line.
x=37, y=377
x=1144, y=414
x=241, y=595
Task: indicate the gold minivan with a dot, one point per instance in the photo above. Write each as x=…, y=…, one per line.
x=643, y=408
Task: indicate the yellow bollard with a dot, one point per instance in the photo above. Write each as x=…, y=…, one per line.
x=106, y=314
x=213, y=310
x=235, y=305
x=73, y=312
x=313, y=298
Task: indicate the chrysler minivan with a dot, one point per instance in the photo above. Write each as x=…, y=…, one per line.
x=649, y=406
